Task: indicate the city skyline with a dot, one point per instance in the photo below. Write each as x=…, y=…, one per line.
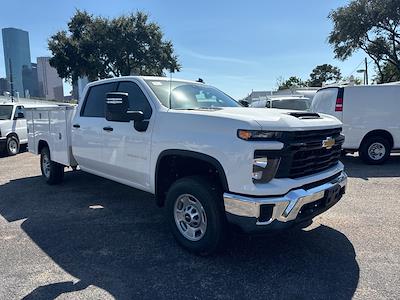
x=234, y=47
x=29, y=79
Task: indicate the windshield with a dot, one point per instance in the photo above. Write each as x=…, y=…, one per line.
x=295, y=104
x=187, y=95
x=5, y=112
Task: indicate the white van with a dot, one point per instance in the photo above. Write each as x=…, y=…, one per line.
x=283, y=102
x=370, y=116
x=13, y=131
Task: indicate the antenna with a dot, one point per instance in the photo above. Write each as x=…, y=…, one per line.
x=170, y=89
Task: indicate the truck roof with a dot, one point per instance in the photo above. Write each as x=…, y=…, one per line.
x=156, y=78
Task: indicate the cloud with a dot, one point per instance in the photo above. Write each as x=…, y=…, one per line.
x=217, y=58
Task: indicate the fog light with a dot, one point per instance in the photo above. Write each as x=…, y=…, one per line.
x=257, y=175
x=264, y=169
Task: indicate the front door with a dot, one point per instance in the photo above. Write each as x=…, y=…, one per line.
x=126, y=149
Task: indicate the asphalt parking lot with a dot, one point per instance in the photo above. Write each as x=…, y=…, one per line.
x=91, y=238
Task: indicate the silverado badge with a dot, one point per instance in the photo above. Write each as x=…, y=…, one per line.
x=328, y=143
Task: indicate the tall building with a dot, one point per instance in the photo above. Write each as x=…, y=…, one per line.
x=4, y=87
x=50, y=84
x=30, y=80
x=17, y=55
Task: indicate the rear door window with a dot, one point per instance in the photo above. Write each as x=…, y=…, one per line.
x=324, y=100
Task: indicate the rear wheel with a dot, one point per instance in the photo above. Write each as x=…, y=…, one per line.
x=12, y=145
x=196, y=215
x=375, y=150
x=52, y=172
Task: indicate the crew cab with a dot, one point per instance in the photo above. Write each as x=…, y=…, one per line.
x=13, y=131
x=213, y=164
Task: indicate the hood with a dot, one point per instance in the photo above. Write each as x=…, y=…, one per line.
x=272, y=119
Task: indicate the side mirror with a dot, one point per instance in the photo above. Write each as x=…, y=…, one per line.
x=244, y=103
x=117, y=106
x=20, y=115
x=135, y=115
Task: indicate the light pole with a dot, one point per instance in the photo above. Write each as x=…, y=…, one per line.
x=365, y=71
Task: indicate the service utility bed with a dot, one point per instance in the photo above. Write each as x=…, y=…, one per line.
x=51, y=125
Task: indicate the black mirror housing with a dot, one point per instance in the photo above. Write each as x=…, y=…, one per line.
x=117, y=106
x=135, y=115
x=244, y=103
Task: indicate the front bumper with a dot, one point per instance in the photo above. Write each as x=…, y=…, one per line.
x=258, y=214
x=3, y=142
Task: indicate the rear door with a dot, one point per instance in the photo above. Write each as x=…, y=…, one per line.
x=87, y=129
x=126, y=149
x=329, y=101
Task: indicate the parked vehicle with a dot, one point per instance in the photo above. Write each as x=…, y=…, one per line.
x=210, y=161
x=13, y=132
x=284, y=102
x=370, y=116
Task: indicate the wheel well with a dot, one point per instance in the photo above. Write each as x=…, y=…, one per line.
x=381, y=133
x=41, y=145
x=175, y=165
x=13, y=134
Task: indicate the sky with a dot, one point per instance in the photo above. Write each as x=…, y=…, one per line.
x=237, y=46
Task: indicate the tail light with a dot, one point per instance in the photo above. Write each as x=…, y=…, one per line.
x=339, y=100
x=339, y=104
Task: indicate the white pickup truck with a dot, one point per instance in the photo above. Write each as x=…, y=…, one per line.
x=210, y=161
x=12, y=127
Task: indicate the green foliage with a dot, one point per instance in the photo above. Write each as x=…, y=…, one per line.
x=370, y=25
x=98, y=48
x=292, y=82
x=324, y=73
x=388, y=74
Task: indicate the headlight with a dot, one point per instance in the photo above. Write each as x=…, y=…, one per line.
x=258, y=135
x=264, y=169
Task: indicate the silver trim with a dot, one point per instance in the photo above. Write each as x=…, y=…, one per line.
x=286, y=207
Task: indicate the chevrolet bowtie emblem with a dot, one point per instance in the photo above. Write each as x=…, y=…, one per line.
x=328, y=143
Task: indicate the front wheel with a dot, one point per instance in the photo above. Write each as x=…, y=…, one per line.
x=375, y=150
x=12, y=145
x=52, y=172
x=196, y=215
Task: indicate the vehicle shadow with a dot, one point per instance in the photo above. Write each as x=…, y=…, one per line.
x=355, y=167
x=23, y=148
x=114, y=237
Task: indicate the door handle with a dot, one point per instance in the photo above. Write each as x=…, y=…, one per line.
x=76, y=126
x=108, y=128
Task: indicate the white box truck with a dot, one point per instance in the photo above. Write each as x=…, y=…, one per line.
x=370, y=116
x=210, y=161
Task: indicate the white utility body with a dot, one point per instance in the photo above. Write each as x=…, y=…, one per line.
x=209, y=160
x=370, y=116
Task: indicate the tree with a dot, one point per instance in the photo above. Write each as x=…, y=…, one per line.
x=292, y=82
x=370, y=25
x=324, y=73
x=98, y=48
x=388, y=74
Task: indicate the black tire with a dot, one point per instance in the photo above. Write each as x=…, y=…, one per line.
x=210, y=197
x=366, y=153
x=54, y=172
x=12, y=145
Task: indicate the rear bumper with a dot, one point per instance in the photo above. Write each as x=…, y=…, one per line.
x=259, y=214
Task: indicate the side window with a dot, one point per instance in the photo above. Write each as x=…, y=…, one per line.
x=19, y=112
x=95, y=100
x=137, y=100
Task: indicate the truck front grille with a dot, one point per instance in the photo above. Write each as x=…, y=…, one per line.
x=306, y=153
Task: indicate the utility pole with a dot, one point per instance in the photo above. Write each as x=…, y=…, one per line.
x=11, y=81
x=366, y=72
